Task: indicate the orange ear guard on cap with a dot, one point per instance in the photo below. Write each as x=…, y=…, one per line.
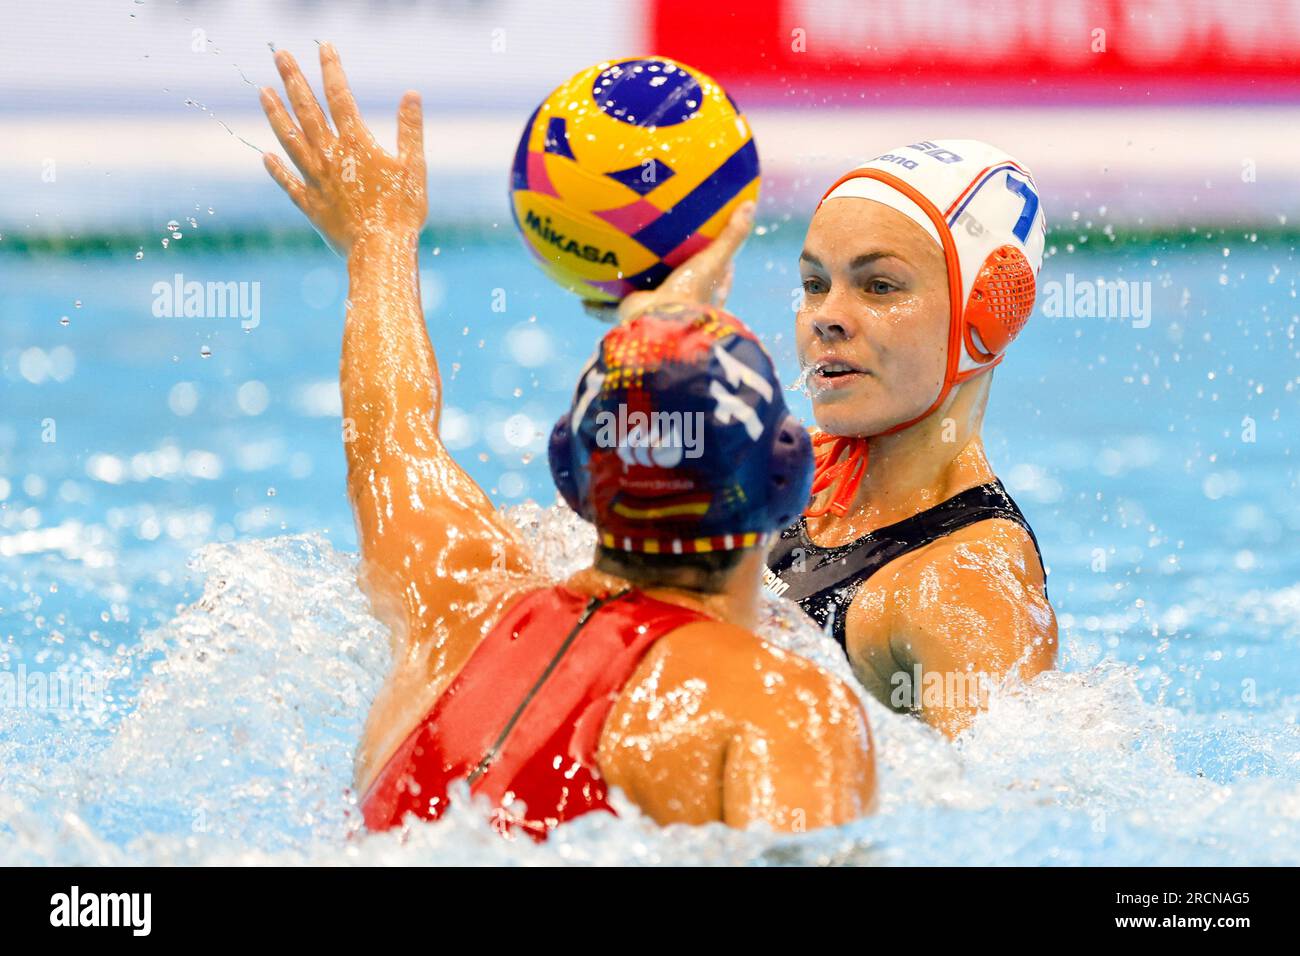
x=999, y=305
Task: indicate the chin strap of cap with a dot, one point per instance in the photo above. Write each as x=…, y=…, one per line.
x=841, y=460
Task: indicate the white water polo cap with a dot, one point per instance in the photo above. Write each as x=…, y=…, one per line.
x=982, y=207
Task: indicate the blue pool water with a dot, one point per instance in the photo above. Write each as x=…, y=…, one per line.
x=176, y=554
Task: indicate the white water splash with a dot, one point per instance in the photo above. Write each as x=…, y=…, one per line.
x=235, y=741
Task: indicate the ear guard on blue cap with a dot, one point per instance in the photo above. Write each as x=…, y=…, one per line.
x=790, y=471
x=559, y=452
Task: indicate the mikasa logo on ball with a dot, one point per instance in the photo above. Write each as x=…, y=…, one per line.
x=572, y=247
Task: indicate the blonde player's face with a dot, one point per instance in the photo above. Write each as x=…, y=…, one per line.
x=872, y=332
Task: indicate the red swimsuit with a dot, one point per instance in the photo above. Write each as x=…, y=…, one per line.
x=522, y=719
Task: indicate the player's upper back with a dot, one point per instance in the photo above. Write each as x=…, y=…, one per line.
x=717, y=725
x=730, y=728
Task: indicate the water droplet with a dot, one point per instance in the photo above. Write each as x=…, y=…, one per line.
x=270, y=492
x=64, y=320
x=76, y=304
x=206, y=352
x=139, y=254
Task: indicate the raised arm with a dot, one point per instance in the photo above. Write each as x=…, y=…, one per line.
x=427, y=531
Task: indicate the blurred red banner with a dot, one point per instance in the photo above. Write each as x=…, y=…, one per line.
x=962, y=50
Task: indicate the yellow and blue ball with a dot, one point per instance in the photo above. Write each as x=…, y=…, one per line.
x=628, y=169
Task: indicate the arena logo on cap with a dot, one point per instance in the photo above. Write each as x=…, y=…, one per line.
x=658, y=439
x=900, y=160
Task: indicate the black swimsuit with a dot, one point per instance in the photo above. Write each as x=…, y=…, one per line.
x=827, y=579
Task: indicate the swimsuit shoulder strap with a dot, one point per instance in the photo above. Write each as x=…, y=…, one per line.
x=538, y=685
x=825, y=580
x=563, y=712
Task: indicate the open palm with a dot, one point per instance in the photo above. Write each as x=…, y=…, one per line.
x=349, y=186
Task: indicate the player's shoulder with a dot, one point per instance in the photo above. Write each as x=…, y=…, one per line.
x=991, y=554
x=990, y=569
x=737, y=665
x=987, y=576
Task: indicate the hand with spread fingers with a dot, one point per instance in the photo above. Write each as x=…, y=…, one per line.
x=349, y=185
